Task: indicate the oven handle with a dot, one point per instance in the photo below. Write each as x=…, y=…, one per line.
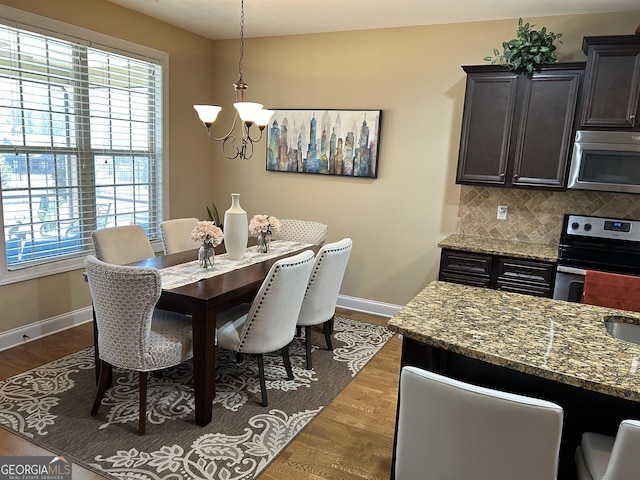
x=574, y=270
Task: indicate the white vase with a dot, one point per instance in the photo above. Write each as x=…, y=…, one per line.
x=236, y=229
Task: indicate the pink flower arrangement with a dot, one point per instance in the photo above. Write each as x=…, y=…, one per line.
x=265, y=224
x=207, y=232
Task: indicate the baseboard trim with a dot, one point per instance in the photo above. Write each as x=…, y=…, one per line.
x=368, y=306
x=43, y=328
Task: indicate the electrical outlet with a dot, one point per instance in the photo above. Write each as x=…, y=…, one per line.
x=502, y=212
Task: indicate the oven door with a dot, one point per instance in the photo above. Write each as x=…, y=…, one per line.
x=569, y=284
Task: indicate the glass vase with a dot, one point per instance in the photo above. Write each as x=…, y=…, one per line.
x=206, y=254
x=264, y=242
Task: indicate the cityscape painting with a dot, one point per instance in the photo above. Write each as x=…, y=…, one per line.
x=330, y=142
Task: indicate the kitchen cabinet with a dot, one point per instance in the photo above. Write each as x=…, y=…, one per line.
x=531, y=277
x=611, y=97
x=517, y=129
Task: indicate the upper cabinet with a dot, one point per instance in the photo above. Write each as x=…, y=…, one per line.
x=611, y=97
x=517, y=129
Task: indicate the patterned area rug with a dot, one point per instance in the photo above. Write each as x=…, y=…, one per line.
x=50, y=406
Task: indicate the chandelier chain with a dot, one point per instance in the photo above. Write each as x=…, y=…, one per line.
x=241, y=38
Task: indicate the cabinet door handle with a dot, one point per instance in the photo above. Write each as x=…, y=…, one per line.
x=516, y=176
x=502, y=176
x=632, y=117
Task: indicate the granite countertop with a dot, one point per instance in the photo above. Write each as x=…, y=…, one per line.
x=507, y=248
x=553, y=339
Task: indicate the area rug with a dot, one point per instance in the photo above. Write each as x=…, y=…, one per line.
x=50, y=406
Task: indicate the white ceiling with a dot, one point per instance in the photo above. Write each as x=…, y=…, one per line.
x=220, y=19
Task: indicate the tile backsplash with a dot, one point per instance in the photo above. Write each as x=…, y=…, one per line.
x=535, y=216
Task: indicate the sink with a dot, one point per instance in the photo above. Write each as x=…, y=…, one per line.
x=623, y=328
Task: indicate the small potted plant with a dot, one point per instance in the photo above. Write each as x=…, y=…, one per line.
x=528, y=50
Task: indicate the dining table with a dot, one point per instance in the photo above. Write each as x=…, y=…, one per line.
x=203, y=298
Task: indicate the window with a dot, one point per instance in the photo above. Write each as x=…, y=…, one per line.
x=80, y=146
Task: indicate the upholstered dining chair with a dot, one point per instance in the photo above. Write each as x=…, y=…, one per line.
x=133, y=334
x=119, y=246
x=302, y=231
x=268, y=324
x=122, y=245
x=176, y=234
x=319, y=304
x=612, y=458
x=452, y=429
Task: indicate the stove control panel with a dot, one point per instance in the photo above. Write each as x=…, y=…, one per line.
x=602, y=227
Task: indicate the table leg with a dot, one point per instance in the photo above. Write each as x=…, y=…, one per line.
x=204, y=364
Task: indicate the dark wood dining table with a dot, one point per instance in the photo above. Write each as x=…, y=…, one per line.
x=203, y=300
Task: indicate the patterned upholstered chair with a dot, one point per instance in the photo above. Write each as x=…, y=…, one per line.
x=614, y=458
x=302, y=231
x=452, y=429
x=176, y=234
x=319, y=304
x=268, y=324
x=122, y=245
x=133, y=334
x=119, y=246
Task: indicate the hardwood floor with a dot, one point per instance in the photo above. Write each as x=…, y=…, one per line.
x=351, y=438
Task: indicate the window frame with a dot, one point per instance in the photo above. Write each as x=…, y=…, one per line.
x=54, y=28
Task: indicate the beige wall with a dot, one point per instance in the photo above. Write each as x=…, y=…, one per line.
x=412, y=74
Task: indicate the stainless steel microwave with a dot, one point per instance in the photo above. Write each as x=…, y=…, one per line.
x=606, y=161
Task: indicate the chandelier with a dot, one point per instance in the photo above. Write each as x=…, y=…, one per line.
x=250, y=113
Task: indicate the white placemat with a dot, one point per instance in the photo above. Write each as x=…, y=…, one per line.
x=185, y=273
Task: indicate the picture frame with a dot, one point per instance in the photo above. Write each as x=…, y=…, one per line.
x=326, y=142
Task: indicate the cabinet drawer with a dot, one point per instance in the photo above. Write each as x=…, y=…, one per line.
x=523, y=271
x=463, y=263
x=470, y=280
x=526, y=289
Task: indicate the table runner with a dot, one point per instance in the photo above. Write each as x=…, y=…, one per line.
x=190, y=272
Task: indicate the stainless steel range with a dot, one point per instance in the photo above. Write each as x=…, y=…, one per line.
x=594, y=243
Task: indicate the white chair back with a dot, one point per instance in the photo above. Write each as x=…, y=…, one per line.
x=122, y=245
x=602, y=457
x=271, y=320
x=176, y=235
x=321, y=296
x=302, y=231
x=448, y=429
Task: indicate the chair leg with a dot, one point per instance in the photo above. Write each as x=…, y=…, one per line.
x=307, y=345
x=142, y=418
x=327, y=328
x=103, y=382
x=298, y=331
x=287, y=361
x=263, y=383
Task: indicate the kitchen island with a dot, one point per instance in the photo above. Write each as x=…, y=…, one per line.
x=550, y=349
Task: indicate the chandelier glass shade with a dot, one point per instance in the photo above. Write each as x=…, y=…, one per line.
x=250, y=114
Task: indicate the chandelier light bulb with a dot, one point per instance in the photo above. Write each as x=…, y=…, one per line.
x=207, y=113
x=263, y=117
x=248, y=111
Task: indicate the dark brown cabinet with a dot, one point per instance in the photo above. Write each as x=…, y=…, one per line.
x=517, y=129
x=611, y=97
x=531, y=277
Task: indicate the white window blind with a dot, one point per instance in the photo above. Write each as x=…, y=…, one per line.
x=80, y=144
